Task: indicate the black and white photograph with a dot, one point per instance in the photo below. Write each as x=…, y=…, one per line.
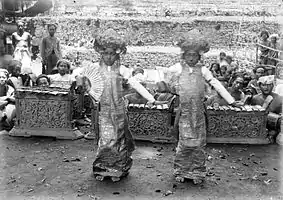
x=141, y=99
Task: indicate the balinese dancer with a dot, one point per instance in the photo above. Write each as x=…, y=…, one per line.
x=115, y=146
x=188, y=79
x=22, y=44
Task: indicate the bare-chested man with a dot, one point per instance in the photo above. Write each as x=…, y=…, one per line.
x=22, y=43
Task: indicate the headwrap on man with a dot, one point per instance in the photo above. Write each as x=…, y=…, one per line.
x=266, y=79
x=274, y=36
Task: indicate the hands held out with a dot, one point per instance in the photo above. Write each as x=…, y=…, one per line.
x=157, y=103
x=237, y=104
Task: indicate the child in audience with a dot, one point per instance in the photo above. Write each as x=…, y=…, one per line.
x=14, y=69
x=43, y=81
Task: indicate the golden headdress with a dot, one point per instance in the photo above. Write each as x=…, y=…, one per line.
x=109, y=39
x=193, y=40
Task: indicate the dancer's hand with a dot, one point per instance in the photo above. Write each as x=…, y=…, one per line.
x=237, y=104
x=157, y=103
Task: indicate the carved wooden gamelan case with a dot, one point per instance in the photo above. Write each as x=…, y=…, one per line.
x=152, y=124
x=45, y=112
x=246, y=125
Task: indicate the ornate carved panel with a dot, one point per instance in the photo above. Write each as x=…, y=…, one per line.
x=43, y=113
x=237, y=124
x=44, y=108
x=152, y=125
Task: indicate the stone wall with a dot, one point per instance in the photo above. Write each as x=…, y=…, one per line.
x=158, y=23
x=78, y=32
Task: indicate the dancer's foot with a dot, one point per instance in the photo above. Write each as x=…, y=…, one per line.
x=90, y=136
x=99, y=178
x=180, y=179
x=115, y=179
x=198, y=181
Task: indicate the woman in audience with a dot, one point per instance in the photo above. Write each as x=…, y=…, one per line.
x=215, y=69
x=63, y=78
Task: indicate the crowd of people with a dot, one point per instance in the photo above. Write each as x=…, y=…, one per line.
x=256, y=88
x=188, y=79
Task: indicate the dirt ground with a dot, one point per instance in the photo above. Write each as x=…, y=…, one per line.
x=45, y=168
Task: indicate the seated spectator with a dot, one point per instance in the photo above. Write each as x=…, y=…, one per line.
x=134, y=97
x=215, y=69
x=14, y=68
x=266, y=84
x=271, y=101
x=42, y=81
x=269, y=70
x=62, y=78
x=253, y=87
x=235, y=90
x=7, y=102
x=222, y=57
x=247, y=78
x=223, y=70
x=163, y=92
x=224, y=77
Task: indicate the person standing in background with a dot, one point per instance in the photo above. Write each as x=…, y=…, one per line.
x=50, y=51
x=21, y=41
x=3, y=39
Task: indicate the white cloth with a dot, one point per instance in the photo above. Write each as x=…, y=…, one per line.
x=126, y=73
x=279, y=89
x=16, y=81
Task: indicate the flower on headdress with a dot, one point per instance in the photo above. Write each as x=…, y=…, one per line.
x=118, y=51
